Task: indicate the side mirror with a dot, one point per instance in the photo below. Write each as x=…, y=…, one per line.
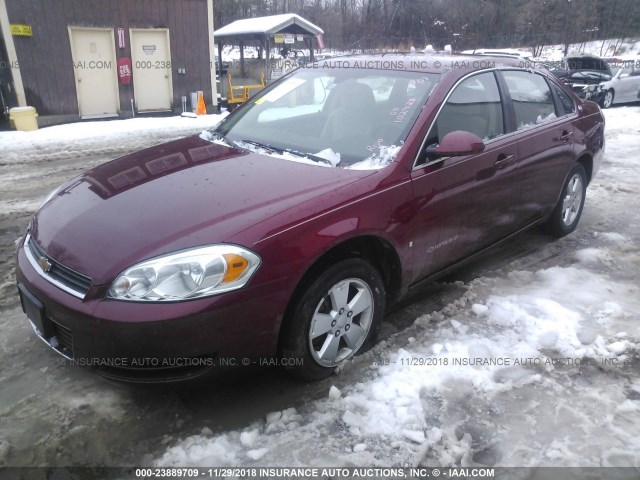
x=457, y=144
x=624, y=75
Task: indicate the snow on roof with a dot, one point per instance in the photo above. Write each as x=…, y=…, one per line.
x=266, y=25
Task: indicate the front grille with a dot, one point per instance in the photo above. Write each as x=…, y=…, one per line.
x=58, y=272
x=65, y=339
x=187, y=368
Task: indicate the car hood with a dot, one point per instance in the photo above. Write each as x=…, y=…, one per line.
x=185, y=193
x=588, y=77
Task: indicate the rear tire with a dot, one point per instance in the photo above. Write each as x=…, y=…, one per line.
x=567, y=212
x=337, y=316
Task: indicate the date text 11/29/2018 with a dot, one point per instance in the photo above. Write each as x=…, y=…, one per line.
x=312, y=472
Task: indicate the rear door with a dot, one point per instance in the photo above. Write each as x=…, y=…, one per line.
x=545, y=140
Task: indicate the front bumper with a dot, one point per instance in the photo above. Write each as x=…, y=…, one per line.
x=151, y=342
x=585, y=91
x=596, y=96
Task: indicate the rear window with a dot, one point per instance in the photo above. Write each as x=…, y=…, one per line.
x=531, y=97
x=566, y=105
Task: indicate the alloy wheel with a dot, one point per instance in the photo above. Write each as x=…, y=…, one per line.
x=341, y=322
x=572, y=200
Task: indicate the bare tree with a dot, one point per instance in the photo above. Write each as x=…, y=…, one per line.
x=372, y=24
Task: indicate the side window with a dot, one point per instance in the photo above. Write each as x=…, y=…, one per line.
x=474, y=106
x=532, y=99
x=566, y=106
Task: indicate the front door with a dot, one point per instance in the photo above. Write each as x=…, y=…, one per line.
x=94, y=67
x=151, y=62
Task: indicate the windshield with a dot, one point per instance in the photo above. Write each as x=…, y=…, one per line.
x=333, y=117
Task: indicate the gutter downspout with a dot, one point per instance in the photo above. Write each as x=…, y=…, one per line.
x=11, y=55
x=212, y=55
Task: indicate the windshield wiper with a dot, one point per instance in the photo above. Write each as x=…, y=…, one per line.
x=263, y=146
x=224, y=138
x=296, y=153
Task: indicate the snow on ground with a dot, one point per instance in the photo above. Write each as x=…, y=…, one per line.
x=629, y=48
x=529, y=366
x=600, y=48
x=508, y=379
x=75, y=141
x=526, y=368
x=109, y=137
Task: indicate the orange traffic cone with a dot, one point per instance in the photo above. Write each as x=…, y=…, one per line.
x=201, y=108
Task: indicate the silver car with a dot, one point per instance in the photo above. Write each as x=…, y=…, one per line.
x=623, y=86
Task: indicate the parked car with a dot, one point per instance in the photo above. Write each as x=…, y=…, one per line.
x=583, y=74
x=284, y=232
x=623, y=86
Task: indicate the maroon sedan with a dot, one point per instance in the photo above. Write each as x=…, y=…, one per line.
x=284, y=232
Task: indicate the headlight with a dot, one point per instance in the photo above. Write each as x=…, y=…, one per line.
x=194, y=273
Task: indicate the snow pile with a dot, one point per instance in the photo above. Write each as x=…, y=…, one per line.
x=75, y=140
x=329, y=155
x=285, y=155
x=384, y=156
x=504, y=367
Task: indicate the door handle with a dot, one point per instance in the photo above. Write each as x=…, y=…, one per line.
x=566, y=136
x=504, y=160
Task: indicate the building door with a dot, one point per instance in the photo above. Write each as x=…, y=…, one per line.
x=94, y=66
x=151, y=59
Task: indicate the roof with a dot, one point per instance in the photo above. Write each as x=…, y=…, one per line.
x=285, y=23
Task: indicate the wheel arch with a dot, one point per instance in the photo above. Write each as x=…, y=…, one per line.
x=375, y=249
x=587, y=162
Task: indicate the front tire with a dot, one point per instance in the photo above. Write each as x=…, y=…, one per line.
x=567, y=212
x=607, y=101
x=337, y=316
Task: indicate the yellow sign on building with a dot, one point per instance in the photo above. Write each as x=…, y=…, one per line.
x=21, y=30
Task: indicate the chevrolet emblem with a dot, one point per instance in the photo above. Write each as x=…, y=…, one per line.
x=44, y=264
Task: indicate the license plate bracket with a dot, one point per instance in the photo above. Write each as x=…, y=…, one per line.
x=34, y=309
